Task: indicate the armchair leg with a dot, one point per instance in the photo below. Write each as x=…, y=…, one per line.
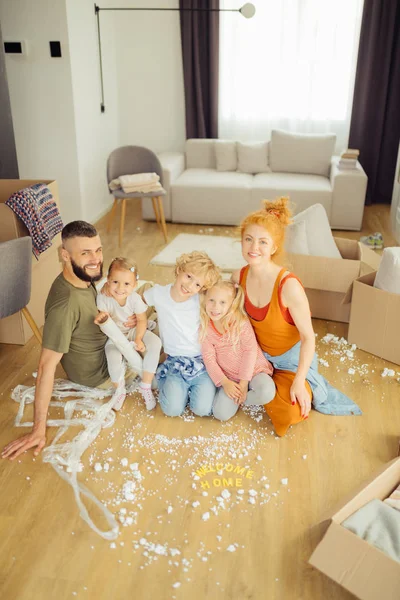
x=32, y=324
x=162, y=218
x=111, y=215
x=122, y=222
x=156, y=213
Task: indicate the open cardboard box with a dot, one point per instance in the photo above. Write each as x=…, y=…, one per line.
x=374, y=319
x=327, y=280
x=14, y=329
x=357, y=566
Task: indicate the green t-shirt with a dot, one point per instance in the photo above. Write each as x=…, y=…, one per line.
x=69, y=328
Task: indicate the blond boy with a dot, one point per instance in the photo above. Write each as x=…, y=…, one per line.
x=183, y=378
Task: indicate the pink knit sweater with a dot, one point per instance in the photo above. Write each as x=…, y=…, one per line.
x=237, y=363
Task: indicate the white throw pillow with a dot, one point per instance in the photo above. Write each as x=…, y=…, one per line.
x=225, y=155
x=300, y=153
x=388, y=275
x=296, y=238
x=253, y=157
x=319, y=235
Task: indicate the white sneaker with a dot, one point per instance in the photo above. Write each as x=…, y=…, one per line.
x=119, y=401
x=149, y=399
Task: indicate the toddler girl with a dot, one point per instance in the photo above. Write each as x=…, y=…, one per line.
x=119, y=301
x=230, y=352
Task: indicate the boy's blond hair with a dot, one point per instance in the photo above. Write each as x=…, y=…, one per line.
x=234, y=319
x=198, y=263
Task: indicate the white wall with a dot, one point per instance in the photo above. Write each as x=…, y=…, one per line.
x=96, y=132
x=149, y=68
x=41, y=97
x=59, y=129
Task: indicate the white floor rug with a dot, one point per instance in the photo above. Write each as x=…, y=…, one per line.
x=224, y=251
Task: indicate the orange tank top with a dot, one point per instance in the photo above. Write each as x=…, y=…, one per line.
x=273, y=325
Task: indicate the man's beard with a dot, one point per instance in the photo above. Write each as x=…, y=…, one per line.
x=83, y=275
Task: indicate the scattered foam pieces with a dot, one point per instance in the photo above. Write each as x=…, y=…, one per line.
x=284, y=481
x=205, y=516
x=304, y=456
x=225, y=494
x=387, y=372
x=231, y=548
x=124, y=462
x=98, y=467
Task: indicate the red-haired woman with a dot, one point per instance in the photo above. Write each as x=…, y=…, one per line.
x=278, y=308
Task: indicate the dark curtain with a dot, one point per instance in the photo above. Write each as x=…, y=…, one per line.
x=8, y=154
x=200, y=55
x=375, y=120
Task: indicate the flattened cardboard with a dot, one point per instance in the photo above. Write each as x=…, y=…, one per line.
x=356, y=565
x=381, y=311
x=327, y=280
x=14, y=329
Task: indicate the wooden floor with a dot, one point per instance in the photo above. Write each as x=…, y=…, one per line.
x=251, y=546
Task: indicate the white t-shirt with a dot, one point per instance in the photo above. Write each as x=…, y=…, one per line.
x=178, y=322
x=134, y=305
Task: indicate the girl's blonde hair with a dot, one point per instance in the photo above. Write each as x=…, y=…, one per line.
x=123, y=264
x=234, y=319
x=274, y=217
x=198, y=263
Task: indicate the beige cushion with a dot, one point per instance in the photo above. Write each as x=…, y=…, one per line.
x=253, y=157
x=200, y=154
x=225, y=155
x=298, y=153
x=296, y=238
x=319, y=235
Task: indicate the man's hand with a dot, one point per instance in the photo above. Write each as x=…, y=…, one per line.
x=106, y=290
x=101, y=317
x=35, y=439
x=131, y=322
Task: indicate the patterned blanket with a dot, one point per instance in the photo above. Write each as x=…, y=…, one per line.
x=36, y=208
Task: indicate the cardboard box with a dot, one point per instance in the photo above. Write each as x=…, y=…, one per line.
x=357, y=566
x=374, y=319
x=327, y=280
x=14, y=329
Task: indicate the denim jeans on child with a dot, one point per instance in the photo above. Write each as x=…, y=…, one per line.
x=181, y=380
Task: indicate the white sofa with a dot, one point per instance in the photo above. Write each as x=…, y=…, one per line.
x=299, y=166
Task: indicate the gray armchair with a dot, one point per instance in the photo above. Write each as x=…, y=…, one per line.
x=130, y=160
x=15, y=277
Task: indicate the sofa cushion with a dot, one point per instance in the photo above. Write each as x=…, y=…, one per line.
x=299, y=153
x=200, y=154
x=253, y=157
x=303, y=190
x=225, y=155
x=210, y=196
x=319, y=235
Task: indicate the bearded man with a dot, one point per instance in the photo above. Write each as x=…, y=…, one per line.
x=69, y=334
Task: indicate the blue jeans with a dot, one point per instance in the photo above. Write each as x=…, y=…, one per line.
x=175, y=393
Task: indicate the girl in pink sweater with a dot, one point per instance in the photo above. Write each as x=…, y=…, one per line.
x=232, y=357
